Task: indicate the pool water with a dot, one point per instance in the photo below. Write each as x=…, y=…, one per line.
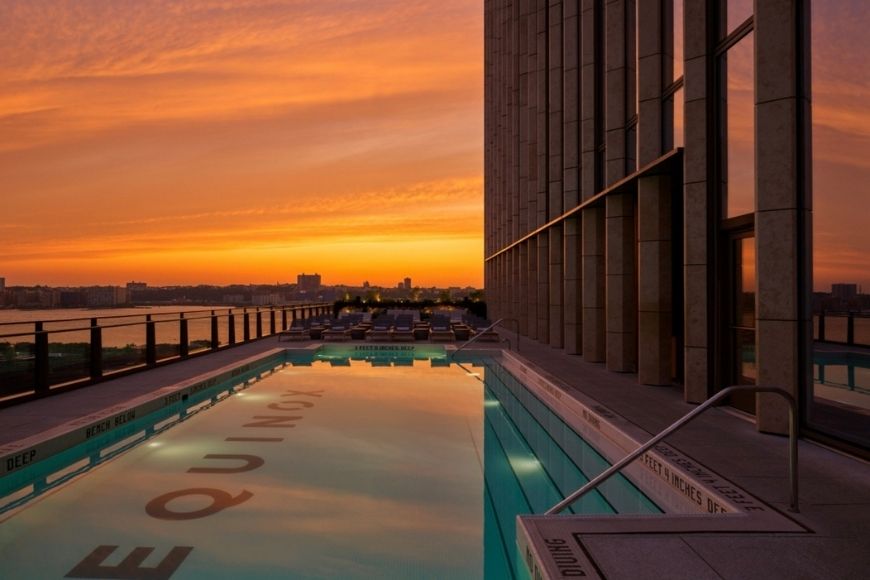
x=362, y=469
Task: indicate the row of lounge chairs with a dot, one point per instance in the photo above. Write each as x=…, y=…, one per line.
x=388, y=327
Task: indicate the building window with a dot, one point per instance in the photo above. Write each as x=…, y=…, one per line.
x=733, y=15
x=838, y=403
x=737, y=126
x=672, y=79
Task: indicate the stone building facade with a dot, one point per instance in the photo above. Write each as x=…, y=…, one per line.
x=647, y=190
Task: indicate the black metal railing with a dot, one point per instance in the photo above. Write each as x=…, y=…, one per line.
x=843, y=327
x=45, y=357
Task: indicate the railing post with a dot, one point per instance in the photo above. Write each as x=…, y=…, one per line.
x=259, y=323
x=822, y=326
x=40, y=356
x=246, y=334
x=96, y=349
x=215, y=339
x=183, y=345
x=271, y=320
x=283, y=318
x=150, y=341
x=850, y=328
x=231, y=327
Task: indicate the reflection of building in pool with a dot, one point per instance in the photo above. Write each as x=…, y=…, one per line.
x=647, y=200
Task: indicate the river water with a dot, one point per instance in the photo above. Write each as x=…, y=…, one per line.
x=125, y=326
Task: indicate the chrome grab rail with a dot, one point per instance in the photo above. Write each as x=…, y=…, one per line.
x=792, y=435
x=484, y=331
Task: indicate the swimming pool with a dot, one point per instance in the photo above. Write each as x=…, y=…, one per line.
x=360, y=463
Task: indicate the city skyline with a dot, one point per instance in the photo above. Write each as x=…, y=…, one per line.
x=217, y=142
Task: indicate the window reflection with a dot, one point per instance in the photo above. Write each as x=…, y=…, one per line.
x=678, y=38
x=733, y=14
x=738, y=123
x=839, y=400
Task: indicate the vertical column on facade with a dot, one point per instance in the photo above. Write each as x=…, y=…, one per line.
x=523, y=268
x=543, y=287
x=543, y=178
x=572, y=298
x=696, y=202
x=654, y=289
x=783, y=220
x=554, y=170
x=533, y=93
x=487, y=149
x=655, y=264
x=532, y=304
x=523, y=114
x=621, y=301
x=557, y=276
x=592, y=219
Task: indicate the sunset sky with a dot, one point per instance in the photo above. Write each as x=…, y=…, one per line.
x=235, y=141
x=222, y=141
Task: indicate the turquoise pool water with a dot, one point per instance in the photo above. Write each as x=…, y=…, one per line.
x=396, y=465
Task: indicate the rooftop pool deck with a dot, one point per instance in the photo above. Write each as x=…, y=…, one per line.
x=486, y=448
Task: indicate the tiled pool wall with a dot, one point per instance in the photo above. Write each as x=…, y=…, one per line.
x=674, y=481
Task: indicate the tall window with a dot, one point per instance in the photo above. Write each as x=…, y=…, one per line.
x=839, y=399
x=672, y=105
x=736, y=84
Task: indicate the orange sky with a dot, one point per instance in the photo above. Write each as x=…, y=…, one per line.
x=220, y=141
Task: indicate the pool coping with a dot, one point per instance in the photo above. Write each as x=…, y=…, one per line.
x=695, y=498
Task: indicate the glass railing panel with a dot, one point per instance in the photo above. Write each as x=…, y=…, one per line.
x=199, y=332
x=835, y=328
x=17, y=361
x=123, y=346
x=167, y=339
x=223, y=328
x=862, y=330
x=69, y=356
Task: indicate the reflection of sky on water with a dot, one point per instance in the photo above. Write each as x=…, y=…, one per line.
x=340, y=497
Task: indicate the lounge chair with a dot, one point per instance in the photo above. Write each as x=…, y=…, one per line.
x=381, y=328
x=338, y=330
x=480, y=325
x=404, y=328
x=298, y=330
x=440, y=329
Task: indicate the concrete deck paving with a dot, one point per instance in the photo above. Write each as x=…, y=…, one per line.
x=834, y=494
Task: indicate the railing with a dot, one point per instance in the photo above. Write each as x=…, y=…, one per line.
x=60, y=354
x=829, y=327
x=487, y=329
x=616, y=467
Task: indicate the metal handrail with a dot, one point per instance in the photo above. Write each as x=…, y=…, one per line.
x=484, y=331
x=792, y=435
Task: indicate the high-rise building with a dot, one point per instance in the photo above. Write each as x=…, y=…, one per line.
x=2, y=283
x=308, y=282
x=844, y=291
x=407, y=283
x=648, y=195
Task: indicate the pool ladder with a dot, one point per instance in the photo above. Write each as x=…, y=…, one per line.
x=616, y=467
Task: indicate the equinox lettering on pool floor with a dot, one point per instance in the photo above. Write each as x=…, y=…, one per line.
x=219, y=463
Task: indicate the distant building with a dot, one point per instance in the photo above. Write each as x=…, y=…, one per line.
x=844, y=291
x=407, y=283
x=2, y=284
x=265, y=299
x=308, y=282
x=136, y=286
x=102, y=296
